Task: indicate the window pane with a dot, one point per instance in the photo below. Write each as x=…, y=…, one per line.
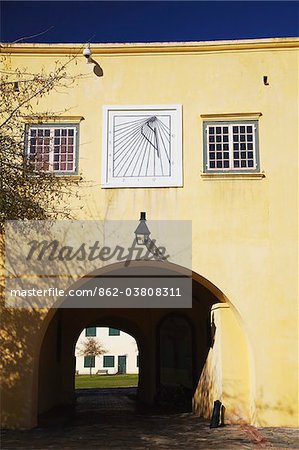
x=114, y=332
x=89, y=361
x=91, y=331
x=108, y=361
x=234, y=146
x=41, y=147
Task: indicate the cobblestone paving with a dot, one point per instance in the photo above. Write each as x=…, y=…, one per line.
x=110, y=419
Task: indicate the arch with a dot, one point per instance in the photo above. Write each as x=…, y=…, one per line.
x=204, y=292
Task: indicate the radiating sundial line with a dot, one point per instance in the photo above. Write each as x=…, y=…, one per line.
x=163, y=150
x=131, y=123
x=149, y=154
x=143, y=145
x=162, y=139
x=126, y=150
x=127, y=130
x=147, y=149
x=126, y=139
x=131, y=160
x=126, y=154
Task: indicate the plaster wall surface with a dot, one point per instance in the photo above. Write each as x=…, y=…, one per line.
x=244, y=237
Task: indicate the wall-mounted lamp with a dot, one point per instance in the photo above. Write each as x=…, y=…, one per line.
x=142, y=234
x=97, y=70
x=87, y=54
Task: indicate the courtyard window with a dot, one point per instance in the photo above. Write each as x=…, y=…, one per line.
x=53, y=148
x=114, y=332
x=231, y=146
x=89, y=361
x=108, y=361
x=90, y=331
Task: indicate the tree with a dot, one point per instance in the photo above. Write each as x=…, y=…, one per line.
x=92, y=348
x=28, y=192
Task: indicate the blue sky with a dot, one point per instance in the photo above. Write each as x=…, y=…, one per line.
x=146, y=21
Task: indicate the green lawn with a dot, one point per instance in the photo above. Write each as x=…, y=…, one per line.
x=105, y=381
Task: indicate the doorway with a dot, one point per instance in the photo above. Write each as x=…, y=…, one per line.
x=122, y=364
x=175, y=345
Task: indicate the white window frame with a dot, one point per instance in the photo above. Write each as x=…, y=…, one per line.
x=174, y=112
x=230, y=124
x=52, y=127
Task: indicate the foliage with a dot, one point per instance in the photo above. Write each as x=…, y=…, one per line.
x=28, y=193
x=91, y=347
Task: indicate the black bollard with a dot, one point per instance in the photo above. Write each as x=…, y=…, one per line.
x=216, y=414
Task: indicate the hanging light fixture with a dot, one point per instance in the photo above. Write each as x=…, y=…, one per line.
x=142, y=234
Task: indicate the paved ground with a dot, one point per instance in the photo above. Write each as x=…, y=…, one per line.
x=105, y=419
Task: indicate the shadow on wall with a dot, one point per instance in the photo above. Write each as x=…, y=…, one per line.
x=97, y=70
x=17, y=347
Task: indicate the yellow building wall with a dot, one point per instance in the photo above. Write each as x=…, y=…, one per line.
x=244, y=229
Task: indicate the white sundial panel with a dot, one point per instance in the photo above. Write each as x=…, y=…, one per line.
x=142, y=146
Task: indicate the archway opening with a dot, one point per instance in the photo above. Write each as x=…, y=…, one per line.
x=106, y=369
x=176, y=352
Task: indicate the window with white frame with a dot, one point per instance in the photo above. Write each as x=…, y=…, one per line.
x=53, y=147
x=142, y=146
x=231, y=146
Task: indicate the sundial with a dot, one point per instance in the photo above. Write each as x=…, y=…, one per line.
x=142, y=147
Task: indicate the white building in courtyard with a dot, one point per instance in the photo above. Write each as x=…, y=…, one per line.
x=121, y=352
